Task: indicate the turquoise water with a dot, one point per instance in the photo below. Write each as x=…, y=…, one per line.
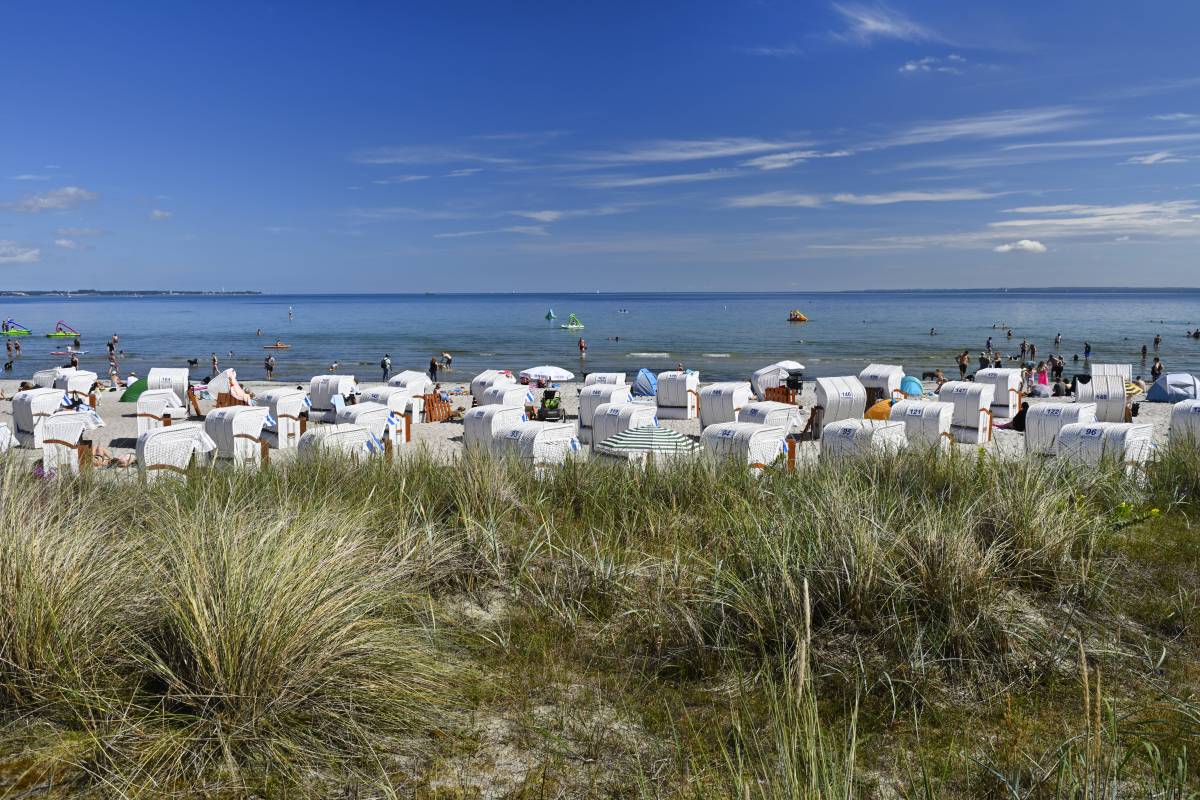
x=723, y=336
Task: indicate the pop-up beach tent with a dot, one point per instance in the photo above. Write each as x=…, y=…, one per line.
x=646, y=384
x=1173, y=388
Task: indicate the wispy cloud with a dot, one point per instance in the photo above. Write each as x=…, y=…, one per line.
x=70, y=244
x=14, y=253
x=867, y=23
x=779, y=51
x=1111, y=141
x=1161, y=157
x=783, y=199
x=1021, y=246
x=552, y=215
x=158, y=215
x=1177, y=117
x=996, y=125
x=418, y=154
x=633, y=181
x=395, y=179
x=62, y=199
x=464, y=173
x=671, y=150
x=952, y=64
x=792, y=158
x=1172, y=218
x=523, y=230
x=391, y=213
x=29, y=176
x=72, y=233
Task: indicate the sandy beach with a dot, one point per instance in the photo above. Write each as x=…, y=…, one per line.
x=444, y=440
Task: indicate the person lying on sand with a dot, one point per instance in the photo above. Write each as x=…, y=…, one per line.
x=102, y=457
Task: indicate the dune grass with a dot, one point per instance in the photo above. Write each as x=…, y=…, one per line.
x=909, y=625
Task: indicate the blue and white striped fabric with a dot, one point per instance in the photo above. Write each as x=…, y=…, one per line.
x=307, y=401
x=270, y=421
x=393, y=421
x=373, y=445
x=66, y=400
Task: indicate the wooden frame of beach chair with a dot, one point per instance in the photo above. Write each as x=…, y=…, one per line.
x=781, y=394
x=811, y=431
x=83, y=450
x=436, y=409
x=195, y=401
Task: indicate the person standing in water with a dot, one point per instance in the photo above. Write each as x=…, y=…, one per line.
x=291, y=315
x=385, y=364
x=269, y=366
x=582, y=347
x=215, y=364
x=433, y=368
x=964, y=360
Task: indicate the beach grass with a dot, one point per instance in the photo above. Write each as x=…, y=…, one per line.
x=914, y=625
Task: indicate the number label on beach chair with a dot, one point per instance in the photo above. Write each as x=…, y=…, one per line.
x=1053, y=412
x=1092, y=433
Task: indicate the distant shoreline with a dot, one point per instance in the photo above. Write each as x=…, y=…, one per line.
x=1043, y=290
x=120, y=293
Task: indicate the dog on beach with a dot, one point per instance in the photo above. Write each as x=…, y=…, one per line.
x=193, y=362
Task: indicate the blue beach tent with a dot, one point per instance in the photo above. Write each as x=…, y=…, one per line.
x=645, y=385
x=1174, y=387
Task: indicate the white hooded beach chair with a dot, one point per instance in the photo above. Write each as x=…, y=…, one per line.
x=76, y=383
x=417, y=383
x=721, y=402
x=539, y=443
x=1109, y=395
x=30, y=409
x=237, y=430
x=322, y=390
x=506, y=394
x=62, y=450
x=678, y=394
x=972, y=419
x=1123, y=371
x=1088, y=443
x=400, y=401
x=488, y=378
x=852, y=438
x=769, y=412
x=384, y=424
x=355, y=441
x=1044, y=421
x=840, y=398
x=609, y=378
x=7, y=440
x=610, y=419
x=45, y=378
x=594, y=396
x=1006, y=390
x=482, y=423
x=1185, y=423
x=286, y=421
x=158, y=407
x=881, y=381
x=168, y=451
x=926, y=424
x=756, y=446
x=772, y=377
x=174, y=379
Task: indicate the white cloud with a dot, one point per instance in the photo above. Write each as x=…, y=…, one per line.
x=1161, y=157
x=70, y=244
x=950, y=65
x=1021, y=246
x=77, y=232
x=798, y=200
x=629, y=181
x=1176, y=117
x=62, y=199
x=158, y=215
x=463, y=173
x=776, y=200
x=1172, y=218
x=792, y=158
x=394, y=179
x=1111, y=141
x=425, y=155
x=13, y=253
x=524, y=230
x=784, y=51
x=888, y=198
x=866, y=23
x=29, y=176
x=669, y=150
x=388, y=213
x=550, y=215
x=996, y=125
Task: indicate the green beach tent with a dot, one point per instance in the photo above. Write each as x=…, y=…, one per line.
x=134, y=391
x=644, y=439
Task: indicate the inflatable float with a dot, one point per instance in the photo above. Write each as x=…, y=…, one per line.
x=796, y=316
x=68, y=352
x=10, y=328
x=277, y=346
x=63, y=331
x=572, y=324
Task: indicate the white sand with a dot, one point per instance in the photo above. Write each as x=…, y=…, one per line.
x=444, y=440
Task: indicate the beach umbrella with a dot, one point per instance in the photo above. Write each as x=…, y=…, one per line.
x=647, y=439
x=547, y=373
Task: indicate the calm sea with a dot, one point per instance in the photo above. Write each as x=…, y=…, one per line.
x=723, y=336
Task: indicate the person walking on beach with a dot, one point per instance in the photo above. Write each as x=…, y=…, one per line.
x=1156, y=369
x=386, y=365
x=433, y=368
x=75, y=361
x=964, y=360
x=215, y=364
x=582, y=347
x=269, y=366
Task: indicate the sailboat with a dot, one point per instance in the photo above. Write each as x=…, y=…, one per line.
x=550, y=315
x=572, y=323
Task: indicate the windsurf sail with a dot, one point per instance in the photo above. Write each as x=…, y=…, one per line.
x=550, y=314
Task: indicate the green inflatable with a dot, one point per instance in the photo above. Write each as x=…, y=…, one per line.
x=134, y=391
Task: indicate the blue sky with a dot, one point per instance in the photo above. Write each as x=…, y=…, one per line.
x=615, y=146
